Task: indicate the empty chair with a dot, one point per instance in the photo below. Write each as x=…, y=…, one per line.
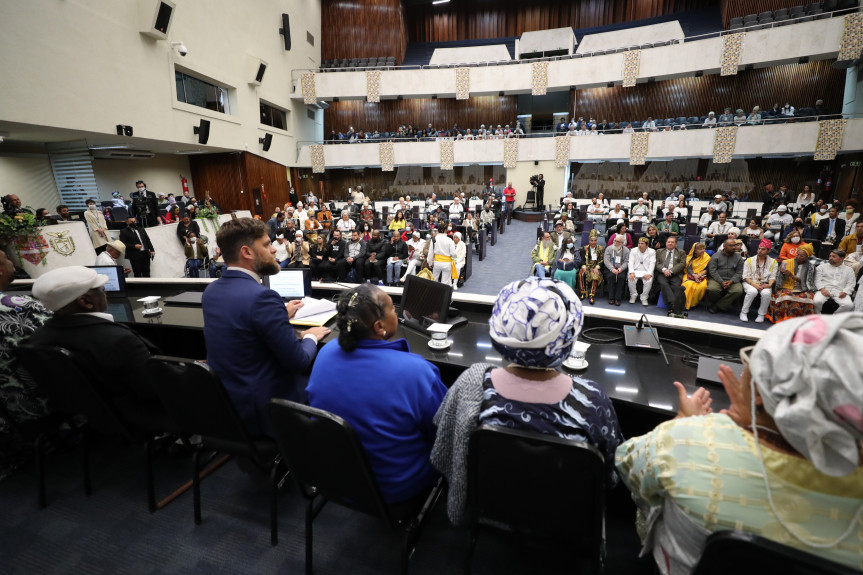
x=534, y=485
x=782, y=20
x=636, y=125
x=750, y=19
x=766, y=16
x=680, y=120
x=670, y=122
x=329, y=464
x=797, y=11
x=119, y=214
x=780, y=12
x=693, y=122
x=813, y=6
x=736, y=25
x=199, y=405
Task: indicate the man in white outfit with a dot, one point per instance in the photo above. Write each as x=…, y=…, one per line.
x=759, y=275
x=642, y=262
x=835, y=281
x=444, y=256
x=460, y=256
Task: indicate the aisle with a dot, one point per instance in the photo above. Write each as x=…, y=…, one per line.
x=506, y=261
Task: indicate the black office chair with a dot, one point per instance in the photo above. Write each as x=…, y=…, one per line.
x=119, y=214
x=71, y=391
x=199, y=405
x=328, y=462
x=537, y=485
x=727, y=551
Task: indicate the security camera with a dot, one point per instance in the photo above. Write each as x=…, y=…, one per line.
x=181, y=48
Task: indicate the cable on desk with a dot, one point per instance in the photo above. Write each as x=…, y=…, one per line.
x=691, y=359
x=590, y=339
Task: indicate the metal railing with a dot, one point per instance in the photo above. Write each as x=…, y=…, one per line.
x=647, y=45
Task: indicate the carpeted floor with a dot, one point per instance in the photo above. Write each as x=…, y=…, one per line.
x=509, y=260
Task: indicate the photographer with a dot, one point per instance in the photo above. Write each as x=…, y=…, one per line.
x=539, y=183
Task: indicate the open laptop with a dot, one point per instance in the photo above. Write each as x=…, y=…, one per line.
x=291, y=284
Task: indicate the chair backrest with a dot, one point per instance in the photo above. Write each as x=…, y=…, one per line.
x=119, y=214
x=69, y=389
x=727, y=551
x=324, y=452
x=537, y=484
x=197, y=402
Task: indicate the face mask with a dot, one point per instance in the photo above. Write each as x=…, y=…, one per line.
x=91, y=207
x=823, y=211
x=849, y=211
x=193, y=240
x=569, y=246
x=142, y=189
x=795, y=240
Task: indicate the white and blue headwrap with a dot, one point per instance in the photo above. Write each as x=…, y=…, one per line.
x=535, y=322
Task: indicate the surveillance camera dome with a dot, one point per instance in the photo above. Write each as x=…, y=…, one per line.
x=183, y=50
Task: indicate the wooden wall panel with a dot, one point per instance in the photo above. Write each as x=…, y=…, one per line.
x=362, y=29
x=388, y=115
x=799, y=84
x=224, y=176
x=478, y=19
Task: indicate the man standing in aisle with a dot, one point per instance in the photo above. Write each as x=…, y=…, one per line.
x=443, y=262
x=251, y=344
x=139, y=248
x=509, y=196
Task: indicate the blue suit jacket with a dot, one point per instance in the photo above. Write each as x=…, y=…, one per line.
x=253, y=348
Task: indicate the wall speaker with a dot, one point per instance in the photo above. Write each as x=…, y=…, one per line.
x=119, y=129
x=124, y=130
x=203, y=131
x=255, y=70
x=285, y=30
x=267, y=141
x=155, y=17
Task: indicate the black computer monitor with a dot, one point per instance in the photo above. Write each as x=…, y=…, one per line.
x=294, y=283
x=116, y=286
x=424, y=301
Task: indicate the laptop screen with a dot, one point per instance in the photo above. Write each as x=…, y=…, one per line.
x=291, y=283
x=425, y=301
x=116, y=286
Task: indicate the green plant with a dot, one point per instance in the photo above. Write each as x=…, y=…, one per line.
x=22, y=230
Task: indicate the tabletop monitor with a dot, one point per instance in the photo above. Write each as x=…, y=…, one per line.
x=293, y=283
x=424, y=301
x=116, y=286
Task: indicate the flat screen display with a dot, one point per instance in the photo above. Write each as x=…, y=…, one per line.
x=292, y=283
x=425, y=301
x=116, y=285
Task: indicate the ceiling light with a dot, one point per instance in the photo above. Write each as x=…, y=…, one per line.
x=112, y=147
x=440, y=2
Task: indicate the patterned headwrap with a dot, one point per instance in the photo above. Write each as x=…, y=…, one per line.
x=115, y=194
x=535, y=322
x=807, y=249
x=808, y=374
x=593, y=235
x=765, y=243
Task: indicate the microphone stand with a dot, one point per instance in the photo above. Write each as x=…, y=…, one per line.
x=640, y=326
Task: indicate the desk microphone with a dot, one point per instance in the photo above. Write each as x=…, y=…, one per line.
x=640, y=325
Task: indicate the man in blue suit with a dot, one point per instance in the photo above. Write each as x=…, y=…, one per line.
x=251, y=344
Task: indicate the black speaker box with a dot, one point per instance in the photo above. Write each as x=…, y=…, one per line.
x=267, y=141
x=260, y=75
x=163, y=17
x=286, y=30
x=203, y=131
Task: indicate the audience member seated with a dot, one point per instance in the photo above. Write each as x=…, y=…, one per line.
x=834, y=281
x=739, y=245
x=325, y=216
x=345, y=224
x=616, y=260
x=640, y=212
x=793, y=242
x=312, y=226
x=391, y=259
x=776, y=222
x=617, y=213
x=373, y=269
x=251, y=344
x=568, y=224
x=853, y=246
x=281, y=245
x=831, y=228
x=754, y=118
x=783, y=461
x=670, y=263
x=796, y=278
x=590, y=274
x=456, y=210
x=21, y=315
x=542, y=255
x=113, y=255
x=534, y=324
x=559, y=235
x=726, y=118
x=695, y=282
x=366, y=232
x=739, y=117
x=753, y=231
x=195, y=252
x=354, y=260
x=725, y=273
x=759, y=275
x=110, y=352
x=652, y=235
x=596, y=211
x=386, y=393
x=317, y=257
x=642, y=264
x=567, y=262
x=710, y=120
x=335, y=253
x=720, y=227
x=298, y=252
x=398, y=222
x=415, y=257
x=850, y=216
x=620, y=230
x=668, y=227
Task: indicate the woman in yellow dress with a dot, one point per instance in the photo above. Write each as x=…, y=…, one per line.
x=695, y=282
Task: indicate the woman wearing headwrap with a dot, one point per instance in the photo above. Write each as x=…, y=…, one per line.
x=793, y=242
x=590, y=274
x=388, y=394
x=534, y=325
x=782, y=462
x=797, y=287
x=695, y=280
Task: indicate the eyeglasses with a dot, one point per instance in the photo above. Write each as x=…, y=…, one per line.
x=746, y=353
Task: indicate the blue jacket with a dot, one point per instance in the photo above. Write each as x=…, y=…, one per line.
x=253, y=348
x=389, y=396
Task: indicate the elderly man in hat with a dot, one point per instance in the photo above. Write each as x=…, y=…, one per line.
x=759, y=275
x=778, y=221
x=110, y=352
x=113, y=255
x=835, y=281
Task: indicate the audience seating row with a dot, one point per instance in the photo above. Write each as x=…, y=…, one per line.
x=785, y=16
x=354, y=64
